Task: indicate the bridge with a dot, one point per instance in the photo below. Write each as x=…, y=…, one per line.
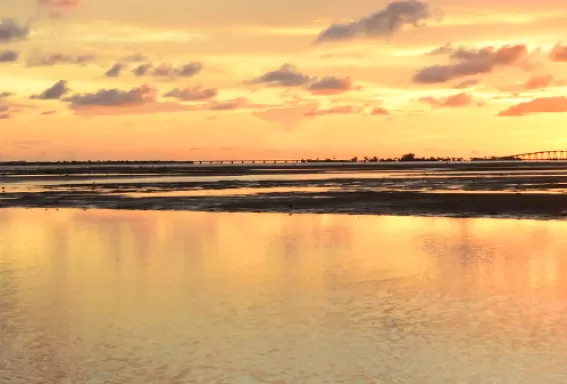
x=541, y=155
x=246, y=161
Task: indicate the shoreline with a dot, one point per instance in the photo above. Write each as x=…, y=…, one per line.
x=491, y=205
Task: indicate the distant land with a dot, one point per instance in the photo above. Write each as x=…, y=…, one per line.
x=409, y=157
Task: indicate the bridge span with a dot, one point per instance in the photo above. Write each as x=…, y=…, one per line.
x=246, y=161
x=542, y=155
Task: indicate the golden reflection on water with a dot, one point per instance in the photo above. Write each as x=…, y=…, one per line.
x=179, y=297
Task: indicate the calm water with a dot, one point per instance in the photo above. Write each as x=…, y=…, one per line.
x=183, y=297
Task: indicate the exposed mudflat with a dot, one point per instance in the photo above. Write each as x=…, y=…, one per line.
x=515, y=189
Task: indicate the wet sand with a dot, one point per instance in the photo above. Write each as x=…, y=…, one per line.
x=543, y=206
x=500, y=189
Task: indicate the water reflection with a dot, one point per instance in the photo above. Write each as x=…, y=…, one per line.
x=178, y=297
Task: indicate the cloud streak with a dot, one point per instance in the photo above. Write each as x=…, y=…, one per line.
x=385, y=22
x=556, y=104
x=55, y=92
x=331, y=85
x=59, y=58
x=9, y=56
x=168, y=70
x=458, y=100
x=286, y=76
x=192, y=94
x=115, y=70
x=115, y=97
x=469, y=62
x=11, y=30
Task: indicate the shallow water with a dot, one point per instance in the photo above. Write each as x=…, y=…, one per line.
x=185, y=297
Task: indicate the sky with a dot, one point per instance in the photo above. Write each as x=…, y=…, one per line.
x=251, y=79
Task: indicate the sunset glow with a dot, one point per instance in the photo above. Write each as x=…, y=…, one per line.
x=197, y=80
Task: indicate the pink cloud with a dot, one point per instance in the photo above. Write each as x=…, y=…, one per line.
x=538, y=82
x=454, y=101
x=60, y=3
x=379, y=111
x=556, y=104
x=559, y=53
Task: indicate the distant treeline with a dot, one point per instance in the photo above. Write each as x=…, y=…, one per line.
x=375, y=159
x=405, y=158
x=95, y=162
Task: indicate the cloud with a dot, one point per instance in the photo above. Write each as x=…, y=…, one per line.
x=471, y=62
x=442, y=50
x=142, y=69
x=5, y=94
x=285, y=76
x=47, y=113
x=467, y=84
x=190, y=69
x=41, y=60
x=289, y=76
x=335, y=110
x=8, y=56
x=115, y=70
x=135, y=58
x=5, y=116
x=331, y=85
x=11, y=30
x=541, y=105
x=130, y=109
x=136, y=101
x=115, y=97
x=385, y=22
x=60, y=3
x=538, y=82
x=379, y=111
x=55, y=92
x=454, y=101
x=559, y=53
x=168, y=70
x=232, y=104
x=192, y=94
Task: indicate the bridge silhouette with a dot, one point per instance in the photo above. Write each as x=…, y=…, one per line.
x=540, y=155
x=247, y=161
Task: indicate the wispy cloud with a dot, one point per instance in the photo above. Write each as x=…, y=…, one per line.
x=385, y=22
x=54, y=92
x=286, y=76
x=168, y=70
x=11, y=30
x=115, y=70
x=470, y=61
x=192, y=94
x=47, y=60
x=458, y=100
x=115, y=97
x=540, y=105
x=331, y=85
x=9, y=56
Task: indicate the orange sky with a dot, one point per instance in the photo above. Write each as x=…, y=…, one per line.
x=214, y=79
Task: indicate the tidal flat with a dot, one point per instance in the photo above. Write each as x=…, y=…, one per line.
x=469, y=189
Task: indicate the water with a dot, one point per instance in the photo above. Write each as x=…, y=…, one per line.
x=185, y=297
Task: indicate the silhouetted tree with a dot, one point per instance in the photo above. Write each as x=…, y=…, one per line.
x=408, y=157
